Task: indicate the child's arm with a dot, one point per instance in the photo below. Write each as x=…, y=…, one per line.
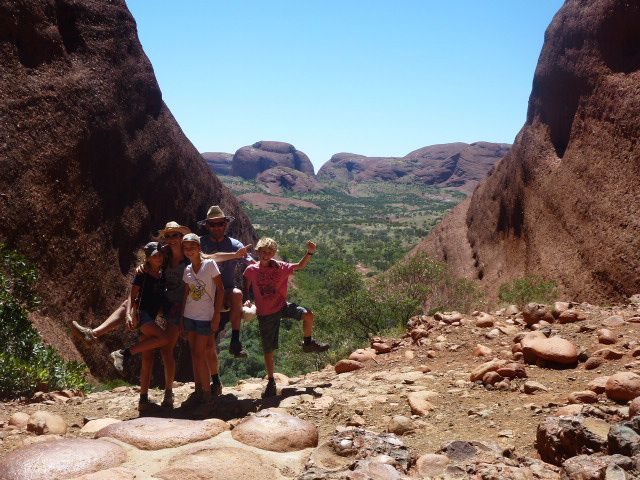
x=218, y=302
x=311, y=249
x=224, y=256
x=132, y=309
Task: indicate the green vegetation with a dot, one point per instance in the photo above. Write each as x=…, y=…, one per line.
x=529, y=289
x=354, y=285
x=26, y=363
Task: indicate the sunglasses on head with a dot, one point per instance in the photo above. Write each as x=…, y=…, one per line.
x=173, y=235
x=217, y=224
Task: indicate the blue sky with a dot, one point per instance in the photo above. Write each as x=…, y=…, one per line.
x=365, y=76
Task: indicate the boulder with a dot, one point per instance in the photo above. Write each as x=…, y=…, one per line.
x=534, y=313
x=484, y=320
x=489, y=366
x=400, y=425
x=623, y=386
x=560, y=438
x=19, y=419
x=623, y=438
x=482, y=351
x=218, y=162
x=598, y=385
x=613, y=321
x=278, y=179
x=606, y=336
x=608, y=353
x=248, y=162
x=512, y=370
x=448, y=317
x=276, y=432
x=150, y=433
x=583, y=396
x=67, y=458
x=431, y=465
x=634, y=407
x=363, y=355
x=594, y=467
x=344, y=366
x=43, y=423
x=531, y=387
x=93, y=426
x=420, y=402
x=571, y=316
x=556, y=350
x=381, y=347
x=593, y=362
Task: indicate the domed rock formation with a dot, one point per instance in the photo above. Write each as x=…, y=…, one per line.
x=93, y=161
x=219, y=162
x=250, y=161
x=278, y=178
x=563, y=204
x=448, y=165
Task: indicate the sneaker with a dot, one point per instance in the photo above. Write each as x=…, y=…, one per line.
x=235, y=348
x=271, y=390
x=315, y=346
x=167, y=401
x=86, y=332
x=118, y=360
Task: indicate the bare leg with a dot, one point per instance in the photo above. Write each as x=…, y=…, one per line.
x=155, y=337
x=168, y=359
x=270, y=363
x=307, y=323
x=114, y=320
x=198, y=344
x=236, y=308
x=145, y=371
x=212, y=355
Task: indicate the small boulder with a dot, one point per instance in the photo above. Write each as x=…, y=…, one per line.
x=448, y=317
x=512, y=370
x=419, y=402
x=608, y=354
x=593, y=362
x=560, y=438
x=598, y=385
x=431, y=465
x=569, y=410
x=634, y=407
x=381, y=347
x=533, y=313
x=531, y=387
x=93, y=426
x=571, y=316
x=556, y=350
x=363, y=355
x=490, y=366
x=623, y=386
x=606, y=337
x=400, y=425
x=43, y=423
x=482, y=351
x=491, y=378
x=583, y=396
x=613, y=321
x=485, y=320
x=344, y=366
x=19, y=419
x=276, y=432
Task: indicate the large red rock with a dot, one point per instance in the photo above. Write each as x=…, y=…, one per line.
x=150, y=433
x=218, y=162
x=92, y=156
x=66, y=458
x=623, y=386
x=562, y=204
x=277, y=179
x=276, y=431
x=344, y=366
x=456, y=165
x=555, y=349
x=248, y=162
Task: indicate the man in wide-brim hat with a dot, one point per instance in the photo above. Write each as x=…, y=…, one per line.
x=217, y=240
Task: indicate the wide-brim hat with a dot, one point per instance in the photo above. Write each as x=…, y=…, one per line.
x=191, y=237
x=171, y=227
x=215, y=213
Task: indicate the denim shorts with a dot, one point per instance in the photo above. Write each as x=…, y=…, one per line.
x=145, y=318
x=201, y=327
x=270, y=325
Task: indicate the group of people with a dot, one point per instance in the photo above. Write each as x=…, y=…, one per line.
x=191, y=282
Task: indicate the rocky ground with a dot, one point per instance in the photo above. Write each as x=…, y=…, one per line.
x=542, y=393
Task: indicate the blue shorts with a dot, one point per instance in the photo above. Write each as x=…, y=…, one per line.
x=270, y=325
x=145, y=317
x=201, y=327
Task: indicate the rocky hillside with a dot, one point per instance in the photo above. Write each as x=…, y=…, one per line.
x=93, y=162
x=458, y=165
x=219, y=162
x=563, y=204
x=278, y=178
x=546, y=393
x=248, y=162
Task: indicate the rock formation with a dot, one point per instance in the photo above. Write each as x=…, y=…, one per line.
x=563, y=204
x=448, y=165
x=93, y=161
x=219, y=162
x=278, y=178
x=250, y=161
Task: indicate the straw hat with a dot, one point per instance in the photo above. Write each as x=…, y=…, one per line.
x=216, y=213
x=171, y=227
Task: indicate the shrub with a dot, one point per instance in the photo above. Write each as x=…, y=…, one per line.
x=528, y=289
x=26, y=363
x=431, y=284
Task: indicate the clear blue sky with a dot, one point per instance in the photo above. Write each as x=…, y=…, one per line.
x=365, y=76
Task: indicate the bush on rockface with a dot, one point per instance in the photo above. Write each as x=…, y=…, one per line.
x=26, y=363
x=528, y=289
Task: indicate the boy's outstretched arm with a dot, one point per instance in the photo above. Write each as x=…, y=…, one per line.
x=311, y=249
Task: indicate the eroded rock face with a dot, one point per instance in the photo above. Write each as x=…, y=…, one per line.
x=276, y=431
x=248, y=162
x=459, y=165
x=150, y=433
x=60, y=459
x=218, y=162
x=85, y=132
x=537, y=214
x=277, y=179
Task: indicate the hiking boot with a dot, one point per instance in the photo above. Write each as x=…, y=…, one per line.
x=315, y=346
x=235, y=348
x=144, y=405
x=216, y=389
x=118, y=360
x=271, y=390
x=167, y=401
x=87, y=333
